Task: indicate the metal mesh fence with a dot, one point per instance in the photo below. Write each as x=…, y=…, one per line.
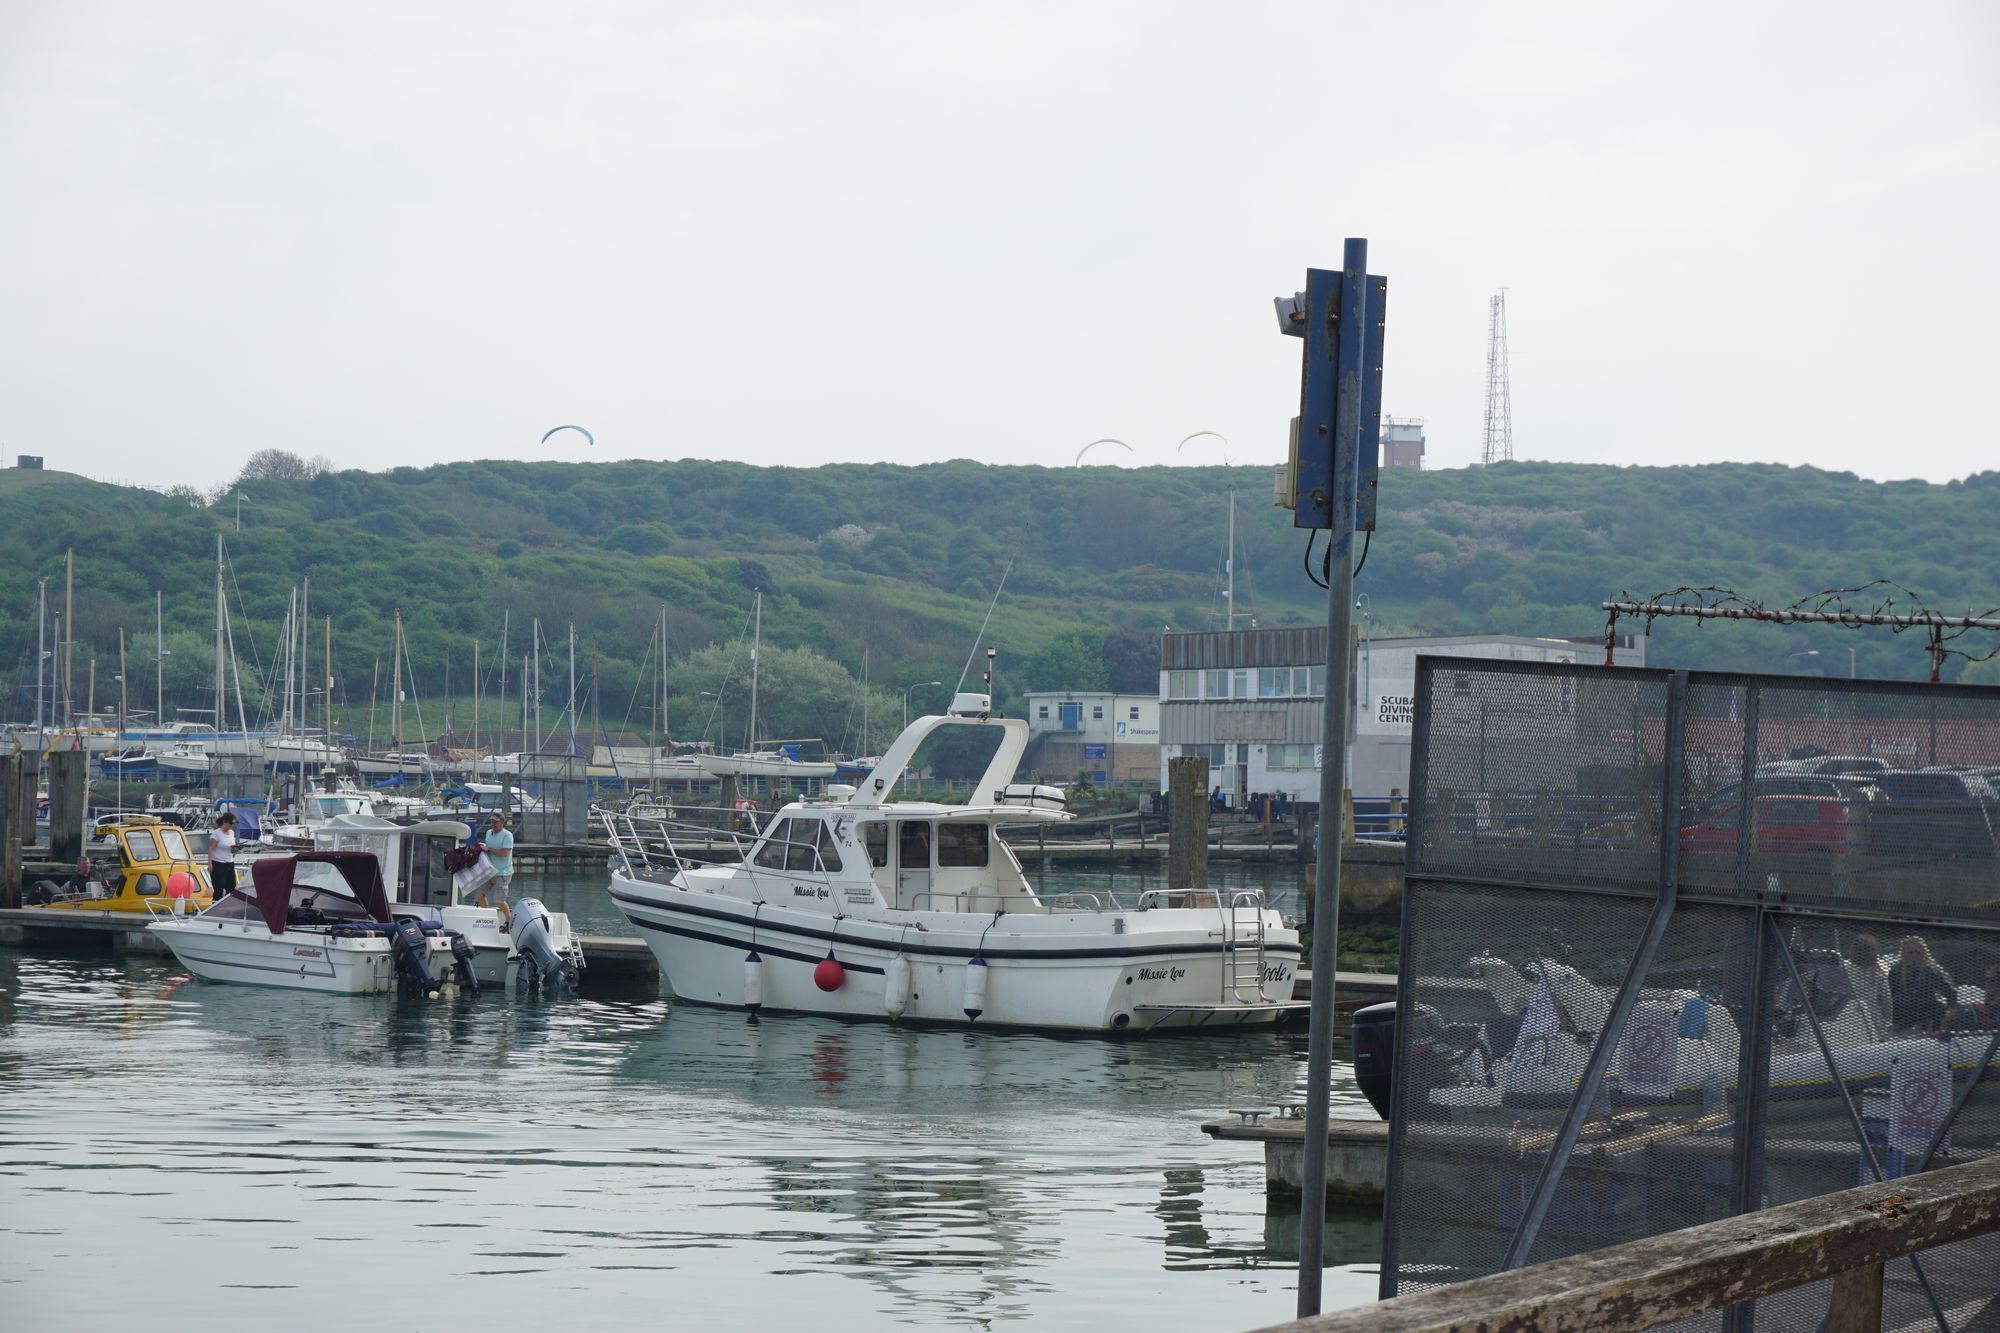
x=1677, y=947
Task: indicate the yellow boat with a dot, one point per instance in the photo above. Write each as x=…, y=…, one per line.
x=149, y=852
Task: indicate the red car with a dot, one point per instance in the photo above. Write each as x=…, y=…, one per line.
x=1785, y=825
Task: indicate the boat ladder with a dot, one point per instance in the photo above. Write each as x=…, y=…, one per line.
x=1243, y=948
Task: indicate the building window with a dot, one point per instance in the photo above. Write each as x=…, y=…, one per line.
x=1242, y=686
x=1184, y=685
x=1097, y=712
x=1274, y=682
x=1302, y=682
x=1317, y=689
x=1042, y=711
x=1215, y=685
x=1289, y=757
x=1135, y=712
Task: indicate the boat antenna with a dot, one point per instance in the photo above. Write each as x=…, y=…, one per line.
x=983, y=624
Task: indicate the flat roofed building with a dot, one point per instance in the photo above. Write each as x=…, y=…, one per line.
x=1102, y=734
x=1252, y=701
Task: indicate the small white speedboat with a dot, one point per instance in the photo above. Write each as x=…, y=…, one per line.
x=317, y=921
x=859, y=906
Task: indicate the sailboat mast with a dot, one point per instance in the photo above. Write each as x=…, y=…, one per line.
x=571, y=709
x=475, y=701
x=1229, y=562
x=756, y=642
x=159, y=658
x=396, y=690
x=505, y=616
x=223, y=685
x=305, y=628
x=326, y=686
x=69, y=642
x=535, y=640
x=41, y=656
x=374, y=686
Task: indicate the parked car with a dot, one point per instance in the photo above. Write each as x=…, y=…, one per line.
x=1786, y=825
x=1932, y=814
x=1831, y=764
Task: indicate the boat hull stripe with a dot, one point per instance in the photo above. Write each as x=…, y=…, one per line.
x=761, y=947
x=916, y=948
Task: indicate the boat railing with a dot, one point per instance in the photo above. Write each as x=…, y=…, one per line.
x=988, y=900
x=664, y=846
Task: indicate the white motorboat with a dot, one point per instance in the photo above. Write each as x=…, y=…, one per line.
x=859, y=906
x=418, y=871
x=183, y=759
x=1681, y=1046
x=317, y=921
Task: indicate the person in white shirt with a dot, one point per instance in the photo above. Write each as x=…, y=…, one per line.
x=499, y=844
x=222, y=854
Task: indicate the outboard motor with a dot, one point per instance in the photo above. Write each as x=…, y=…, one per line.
x=533, y=941
x=1375, y=1053
x=411, y=949
x=461, y=962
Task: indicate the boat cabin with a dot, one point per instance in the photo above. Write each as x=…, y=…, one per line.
x=411, y=855
x=855, y=847
x=131, y=862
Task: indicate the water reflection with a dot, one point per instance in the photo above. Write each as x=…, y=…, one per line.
x=612, y=1151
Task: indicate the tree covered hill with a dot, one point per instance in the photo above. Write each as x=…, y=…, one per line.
x=901, y=562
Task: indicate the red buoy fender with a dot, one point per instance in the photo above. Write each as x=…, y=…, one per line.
x=829, y=975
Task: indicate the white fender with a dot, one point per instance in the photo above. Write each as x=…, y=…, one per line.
x=896, y=986
x=753, y=982
x=975, y=987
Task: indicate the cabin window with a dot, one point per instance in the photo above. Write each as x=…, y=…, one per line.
x=148, y=885
x=771, y=855
x=913, y=845
x=829, y=855
x=962, y=845
x=175, y=844
x=140, y=843
x=875, y=837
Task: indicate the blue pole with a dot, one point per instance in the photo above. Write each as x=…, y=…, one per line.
x=1354, y=317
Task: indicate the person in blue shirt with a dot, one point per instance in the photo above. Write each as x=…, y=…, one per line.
x=499, y=845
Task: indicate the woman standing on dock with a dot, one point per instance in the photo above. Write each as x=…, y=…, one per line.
x=222, y=854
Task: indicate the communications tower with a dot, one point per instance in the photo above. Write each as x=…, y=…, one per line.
x=1499, y=446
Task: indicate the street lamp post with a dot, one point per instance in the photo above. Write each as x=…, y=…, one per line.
x=906, y=699
x=1809, y=652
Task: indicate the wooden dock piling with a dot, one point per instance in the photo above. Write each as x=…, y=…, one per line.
x=13, y=831
x=1187, y=823
x=66, y=805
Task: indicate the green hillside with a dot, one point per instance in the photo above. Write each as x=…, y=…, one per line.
x=901, y=561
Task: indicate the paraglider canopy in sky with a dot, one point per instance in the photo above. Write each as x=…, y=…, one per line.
x=588, y=438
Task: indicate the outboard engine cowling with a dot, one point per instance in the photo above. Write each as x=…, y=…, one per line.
x=461, y=962
x=534, y=941
x=411, y=949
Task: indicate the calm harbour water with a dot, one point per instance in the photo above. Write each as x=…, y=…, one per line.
x=177, y=1151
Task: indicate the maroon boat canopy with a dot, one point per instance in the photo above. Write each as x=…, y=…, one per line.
x=360, y=870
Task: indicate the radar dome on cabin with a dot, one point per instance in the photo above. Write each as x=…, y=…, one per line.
x=968, y=704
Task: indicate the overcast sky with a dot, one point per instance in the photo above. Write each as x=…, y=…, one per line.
x=801, y=233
